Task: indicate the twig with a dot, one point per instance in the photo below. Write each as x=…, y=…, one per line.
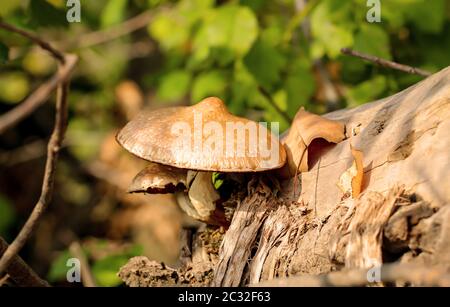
x=418, y=275
x=53, y=148
x=86, y=275
x=267, y=95
x=38, y=97
x=44, y=45
x=386, y=63
x=20, y=272
x=127, y=27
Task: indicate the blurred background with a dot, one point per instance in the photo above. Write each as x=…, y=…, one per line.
x=265, y=59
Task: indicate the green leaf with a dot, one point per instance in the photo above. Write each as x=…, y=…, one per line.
x=206, y=84
x=14, y=87
x=7, y=215
x=113, y=13
x=170, y=30
x=231, y=26
x=217, y=179
x=58, y=268
x=367, y=90
x=372, y=39
x=4, y=53
x=9, y=7
x=265, y=62
x=105, y=270
x=174, y=85
x=46, y=15
x=331, y=26
x=299, y=86
x=428, y=16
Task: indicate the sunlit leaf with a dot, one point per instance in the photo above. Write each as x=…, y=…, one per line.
x=14, y=87
x=367, y=90
x=58, y=268
x=174, y=85
x=331, y=27
x=113, y=13
x=265, y=62
x=212, y=83
x=230, y=26
x=372, y=39
x=105, y=270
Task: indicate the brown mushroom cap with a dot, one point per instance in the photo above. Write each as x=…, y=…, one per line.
x=151, y=136
x=158, y=179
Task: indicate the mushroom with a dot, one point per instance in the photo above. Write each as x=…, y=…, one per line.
x=203, y=137
x=187, y=144
x=158, y=179
x=307, y=127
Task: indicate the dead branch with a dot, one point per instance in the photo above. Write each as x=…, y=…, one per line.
x=38, y=97
x=386, y=63
x=20, y=272
x=86, y=274
x=53, y=148
x=43, y=44
x=127, y=27
x=417, y=275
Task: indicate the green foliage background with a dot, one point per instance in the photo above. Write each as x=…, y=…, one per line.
x=199, y=48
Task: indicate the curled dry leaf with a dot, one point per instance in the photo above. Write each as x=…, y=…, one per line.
x=305, y=128
x=350, y=181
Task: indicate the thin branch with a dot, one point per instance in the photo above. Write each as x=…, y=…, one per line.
x=86, y=275
x=272, y=102
x=38, y=97
x=20, y=272
x=127, y=27
x=386, y=63
x=418, y=275
x=53, y=148
x=44, y=45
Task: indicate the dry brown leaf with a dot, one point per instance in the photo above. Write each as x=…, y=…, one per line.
x=305, y=128
x=358, y=178
x=350, y=181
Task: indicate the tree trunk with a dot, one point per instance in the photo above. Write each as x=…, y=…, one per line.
x=402, y=214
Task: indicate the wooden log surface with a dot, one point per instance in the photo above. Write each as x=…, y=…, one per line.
x=402, y=214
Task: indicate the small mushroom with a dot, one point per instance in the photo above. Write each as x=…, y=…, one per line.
x=307, y=127
x=212, y=139
x=158, y=179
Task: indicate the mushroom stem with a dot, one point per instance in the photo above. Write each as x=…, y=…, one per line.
x=205, y=199
x=185, y=204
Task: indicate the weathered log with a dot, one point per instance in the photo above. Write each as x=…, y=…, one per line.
x=402, y=214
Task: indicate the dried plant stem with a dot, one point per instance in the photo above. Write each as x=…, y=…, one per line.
x=86, y=274
x=20, y=272
x=38, y=97
x=53, y=148
x=44, y=45
x=386, y=63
